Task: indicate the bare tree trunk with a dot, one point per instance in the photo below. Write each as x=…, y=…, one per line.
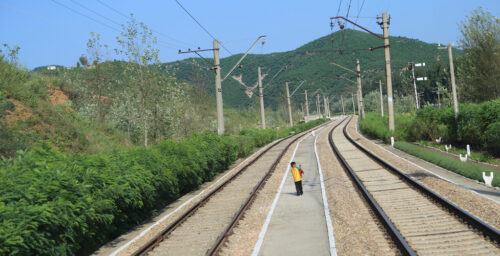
x=128, y=132
x=145, y=132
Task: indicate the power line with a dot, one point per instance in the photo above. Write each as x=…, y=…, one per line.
x=199, y=24
x=348, y=8
x=165, y=44
x=84, y=15
x=38, y=16
x=359, y=12
x=113, y=9
x=128, y=17
x=96, y=13
x=338, y=10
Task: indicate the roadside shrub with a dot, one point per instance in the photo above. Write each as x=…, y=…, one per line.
x=375, y=126
x=54, y=203
x=432, y=123
x=475, y=125
x=492, y=138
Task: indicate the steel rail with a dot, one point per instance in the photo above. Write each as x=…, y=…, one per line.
x=390, y=227
x=475, y=222
x=222, y=237
x=157, y=239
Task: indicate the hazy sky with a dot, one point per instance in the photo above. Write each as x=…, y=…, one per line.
x=49, y=33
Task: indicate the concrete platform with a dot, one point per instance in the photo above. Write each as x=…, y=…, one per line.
x=298, y=225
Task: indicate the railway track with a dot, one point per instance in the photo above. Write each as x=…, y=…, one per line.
x=203, y=228
x=419, y=221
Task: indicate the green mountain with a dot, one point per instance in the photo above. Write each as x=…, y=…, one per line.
x=306, y=63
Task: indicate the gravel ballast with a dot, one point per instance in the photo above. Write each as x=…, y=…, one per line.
x=484, y=209
x=356, y=230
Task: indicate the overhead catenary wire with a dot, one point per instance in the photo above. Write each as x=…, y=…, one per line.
x=275, y=75
x=359, y=12
x=199, y=24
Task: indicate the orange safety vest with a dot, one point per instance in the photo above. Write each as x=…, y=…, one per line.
x=296, y=174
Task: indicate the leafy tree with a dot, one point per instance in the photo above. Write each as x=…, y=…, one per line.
x=138, y=45
x=99, y=82
x=479, y=68
x=12, y=53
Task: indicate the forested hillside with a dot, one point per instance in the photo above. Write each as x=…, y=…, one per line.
x=305, y=63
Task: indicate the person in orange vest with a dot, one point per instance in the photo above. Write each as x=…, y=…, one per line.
x=297, y=178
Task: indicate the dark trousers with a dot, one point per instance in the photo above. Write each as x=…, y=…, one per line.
x=298, y=186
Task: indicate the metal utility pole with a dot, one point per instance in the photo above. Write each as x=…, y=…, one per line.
x=289, y=106
x=390, y=106
x=381, y=98
x=218, y=90
x=412, y=66
x=218, y=80
x=452, y=74
x=328, y=105
x=414, y=83
x=325, y=104
x=360, y=91
x=342, y=99
x=307, y=104
x=453, y=85
x=317, y=105
x=353, y=106
x=261, y=96
x=359, y=111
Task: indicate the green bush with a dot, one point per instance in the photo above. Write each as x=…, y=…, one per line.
x=432, y=123
x=476, y=125
x=375, y=126
x=469, y=170
x=492, y=138
x=54, y=203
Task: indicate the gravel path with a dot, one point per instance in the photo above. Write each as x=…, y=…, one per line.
x=484, y=209
x=357, y=230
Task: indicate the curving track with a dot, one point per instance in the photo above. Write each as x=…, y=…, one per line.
x=204, y=227
x=420, y=221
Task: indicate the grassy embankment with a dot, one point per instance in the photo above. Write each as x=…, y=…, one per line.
x=425, y=126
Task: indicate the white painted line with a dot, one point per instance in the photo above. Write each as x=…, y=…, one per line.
x=329, y=226
x=144, y=232
x=439, y=176
x=263, y=230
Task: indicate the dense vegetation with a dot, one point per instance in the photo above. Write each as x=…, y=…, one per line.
x=479, y=68
x=33, y=108
x=54, y=203
x=477, y=125
x=315, y=68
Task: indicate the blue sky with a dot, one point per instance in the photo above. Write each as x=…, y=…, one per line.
x=51, y=34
